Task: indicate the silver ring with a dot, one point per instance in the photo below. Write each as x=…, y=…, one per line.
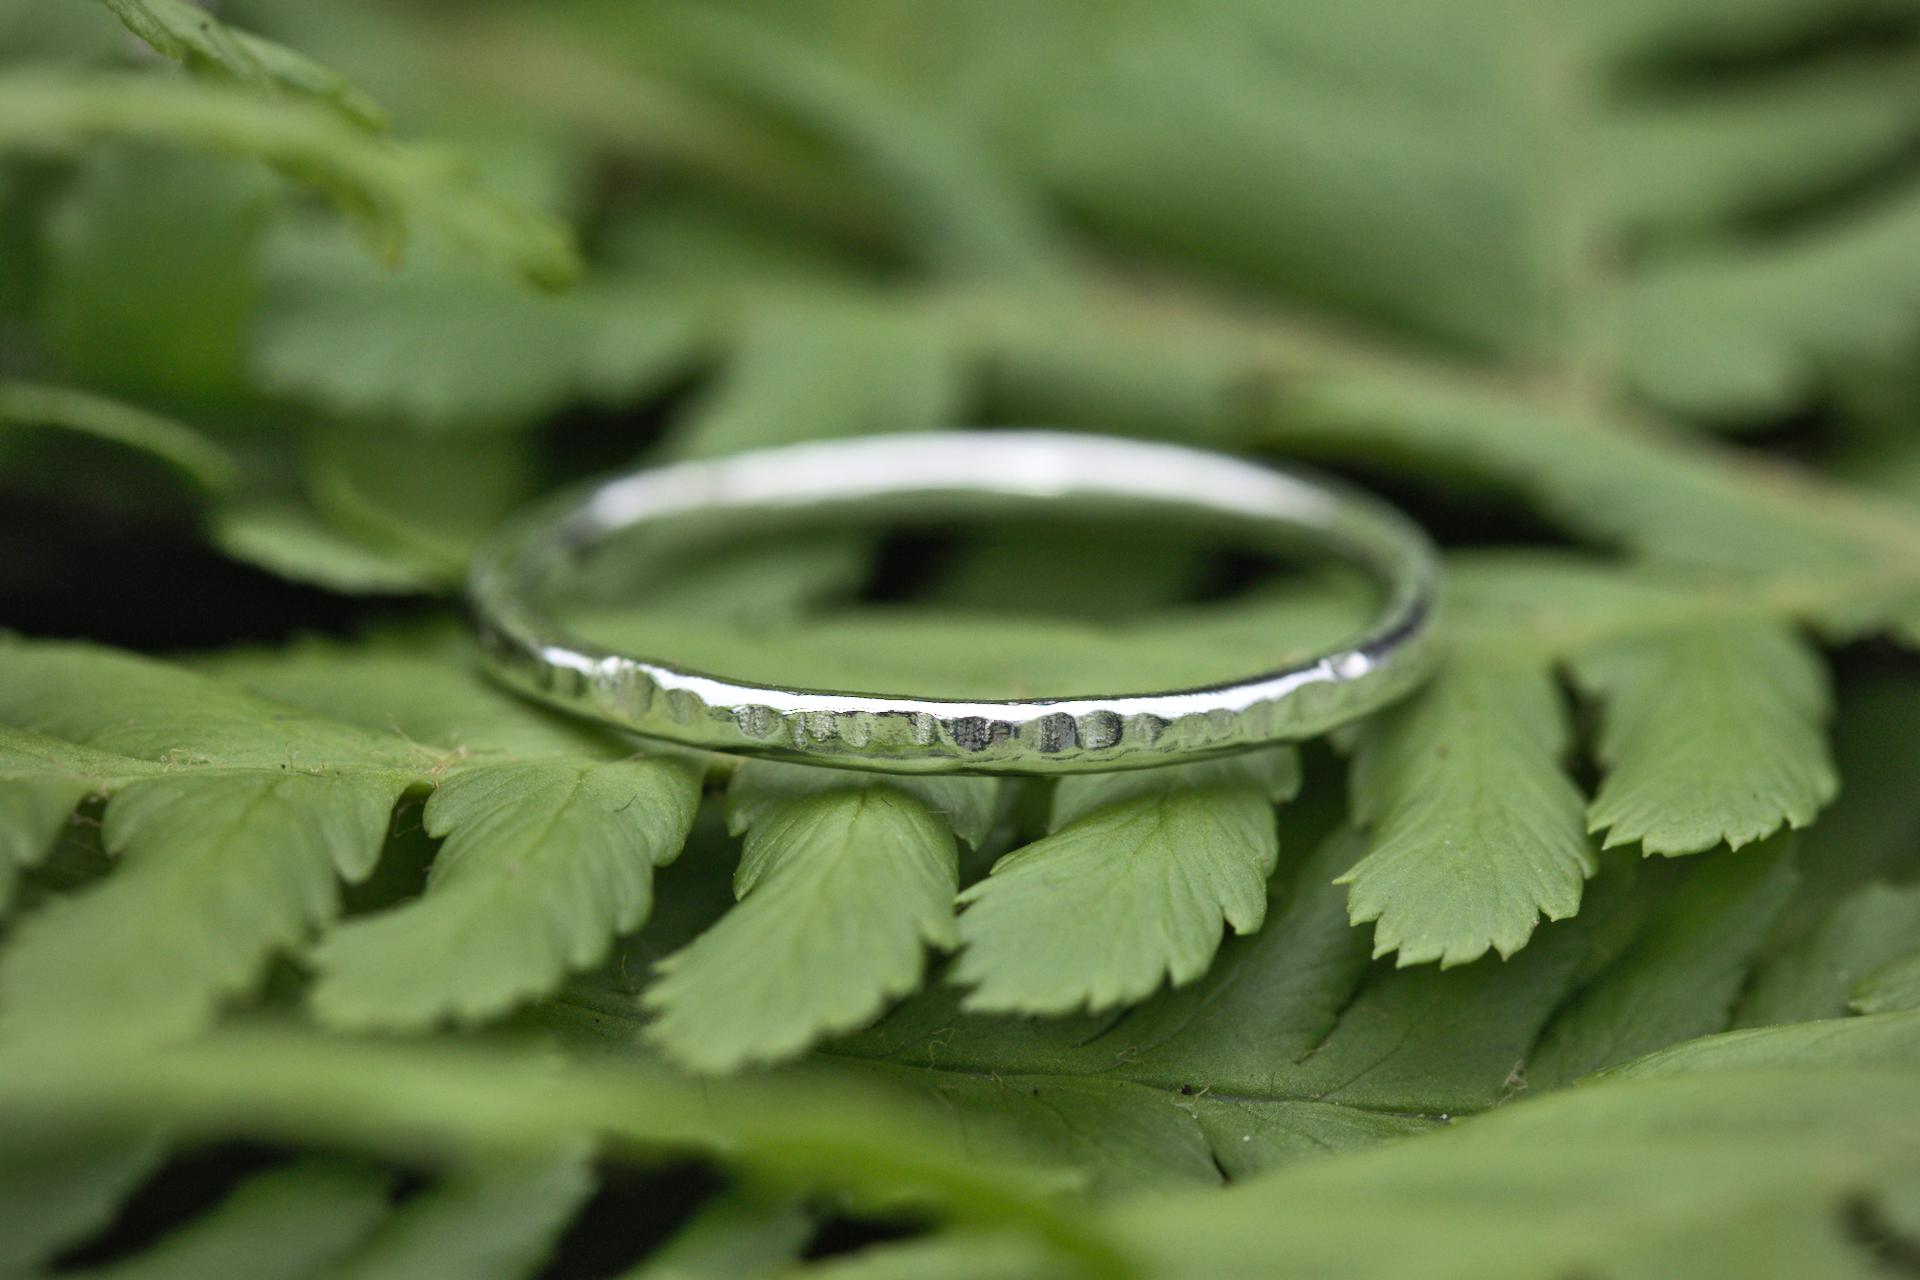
x=959, y=473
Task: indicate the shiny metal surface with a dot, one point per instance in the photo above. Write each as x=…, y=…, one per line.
x=902, y=733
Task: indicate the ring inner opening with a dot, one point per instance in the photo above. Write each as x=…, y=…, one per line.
x=972, y=599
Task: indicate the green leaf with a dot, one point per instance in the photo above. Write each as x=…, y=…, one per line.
x=25, y=404
x=151, y=273
x=218, y=871
x=1865, y=836
x=117, y=704
x=448, y=348
x=386, y=186
x=1887, y=1041
x=1254, y=1065
x=423, y=685
x=42, y=781
x=734, y=1234
x=419, y=498
x=763, y=790
x=1752, y=1168
x=61, y=1182
x=233, y=818
x=1269, y=1058
x=1817, y=974
x=237, y=816
x=954, y=1256
x=1756, y=1141
x=1430, y=1041
x=190, y=35
x=452, y=1103
x=844, y=881
x=480, y=1222
x=1712, y=733
x=1893, y=987
x=1130, y=890
x=543, y=863
x=1690, y=161
x=949, y=199
x=833, y=367
x=1620, y=481
x=1680, y=976
x=1748, y=328
x=281, y=1225
x=1417, y=1041
x=42, y=31
x=1474, y=830
x=1270, y=997
x=286, y=537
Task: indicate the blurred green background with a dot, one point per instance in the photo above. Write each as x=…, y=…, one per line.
x=1530, y=251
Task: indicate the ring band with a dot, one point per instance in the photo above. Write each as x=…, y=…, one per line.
x=1038, y=470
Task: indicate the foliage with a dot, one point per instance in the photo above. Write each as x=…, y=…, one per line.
x=1620, y=301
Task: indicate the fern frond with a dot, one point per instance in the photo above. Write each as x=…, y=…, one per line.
x=448, y=348
x=387, y=187
x=844, y=882
x=1816, y=975
x=482, y=1106
x=1526, y=255
x=26, y=404
x=236, y=817
x=233, y=820
x=1751, y=328
x=543, y=863
x=1292, y=1040
x=1892, y=988
x=1133, y=1100
x=1290, y=1027
x=1690, y=1151
x=1130, y=890
x=947, y=193
x=217, y=872
x=733, y=1234
x=1475, y=829
x=195, y=38
x=1685, y=161
x=64, y=1181
x=487, y=1220
x=1684, y=1155
x=1610, y=475
x=1712, y=734
x=42, y=781
x=1682, y=972
x=828, y=366
x=280, y=1225
x=284, y=535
